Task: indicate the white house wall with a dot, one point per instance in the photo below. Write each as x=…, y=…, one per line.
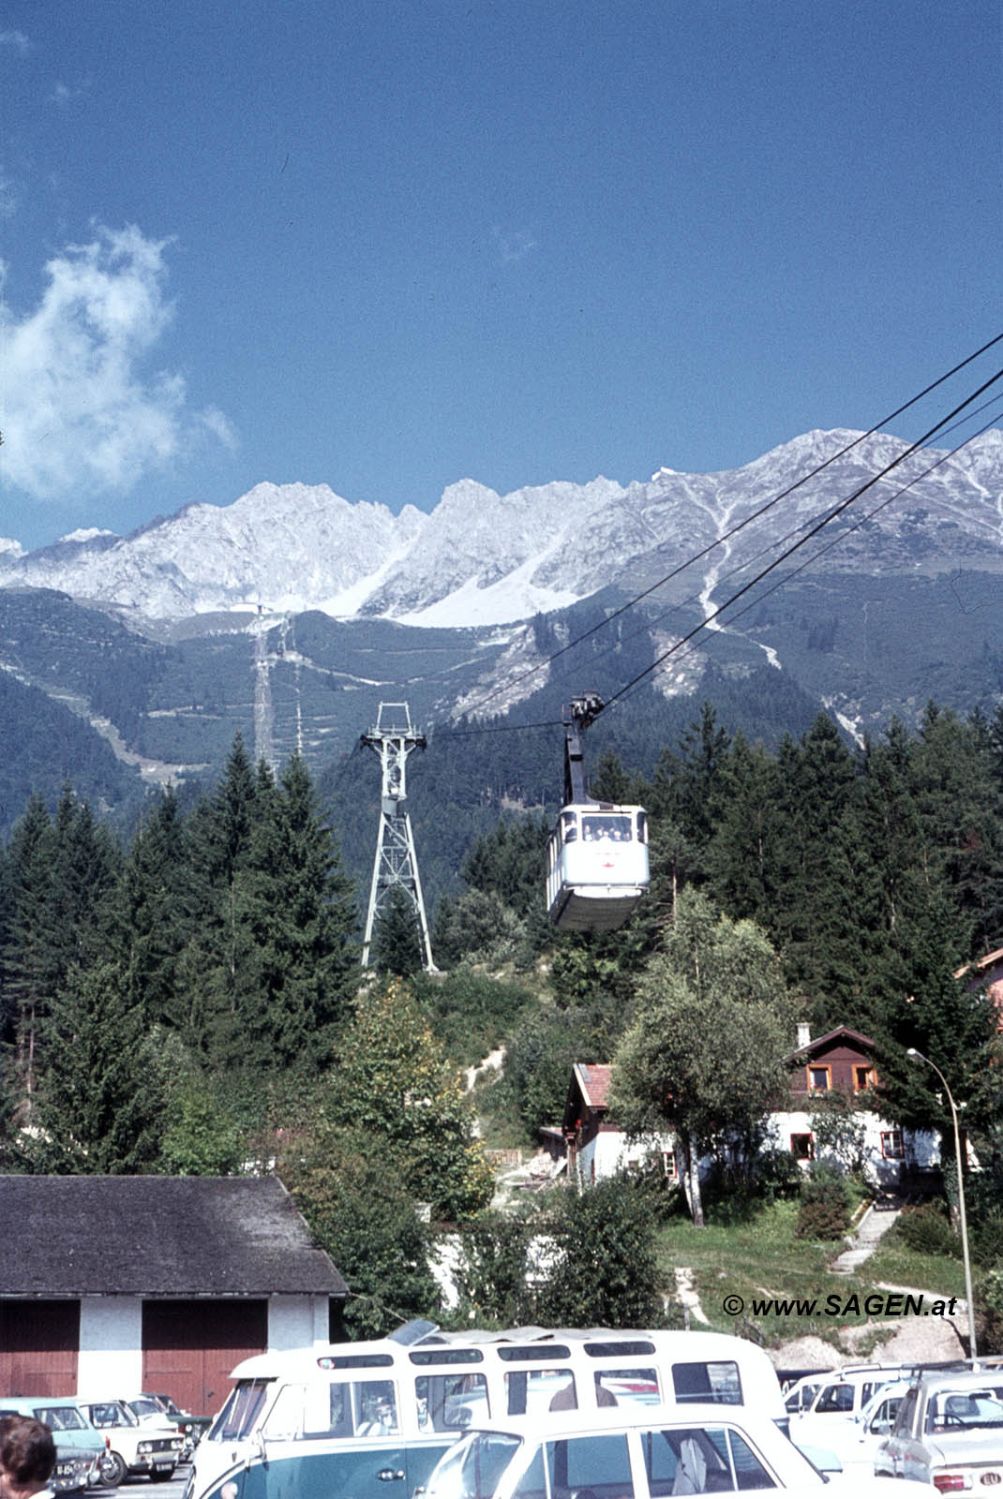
x=610, y=1152
x=297, y=1322
x=922, y=1147
x=110, y=1362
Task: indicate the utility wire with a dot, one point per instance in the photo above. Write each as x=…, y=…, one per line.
x=741, y=567
x=842, y=535
x=727, y=535
x=819, y=526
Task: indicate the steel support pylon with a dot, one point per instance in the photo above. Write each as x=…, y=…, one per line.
x=394, y=737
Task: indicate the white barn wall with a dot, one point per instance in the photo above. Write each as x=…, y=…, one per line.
x=296, y=1322
x=110, y=1362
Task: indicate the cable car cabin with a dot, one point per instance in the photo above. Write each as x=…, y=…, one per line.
x=597, y=866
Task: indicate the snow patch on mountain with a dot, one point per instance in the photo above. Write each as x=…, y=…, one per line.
x=514, y=597
x=483, y=558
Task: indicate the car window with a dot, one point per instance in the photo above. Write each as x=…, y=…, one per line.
x=906, y=1412
x=718, y=1383
x=696, y=1460
x=540, y=1390
x=451, y=1402
x=883, y=1418
x=597, y=1463
x=835, y=1397
x=60, y=1417
x=350, y=1408
x=960, y=1410
x=240, y=1413
x=627, y=1387
x=472, y=1469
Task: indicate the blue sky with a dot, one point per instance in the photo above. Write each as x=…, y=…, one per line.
x=387, y=245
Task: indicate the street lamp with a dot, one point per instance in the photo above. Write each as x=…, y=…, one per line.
x=912, y=1052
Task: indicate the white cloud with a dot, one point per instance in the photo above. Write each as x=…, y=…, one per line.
x=15, y=39
x=513, y=244
x=63, y=93
x=83, y=415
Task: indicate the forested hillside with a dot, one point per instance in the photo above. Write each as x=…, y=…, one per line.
x=188, y=998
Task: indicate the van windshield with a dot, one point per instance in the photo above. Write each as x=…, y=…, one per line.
x=239, y=1415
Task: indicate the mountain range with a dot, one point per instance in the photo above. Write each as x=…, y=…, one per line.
x=291, y=613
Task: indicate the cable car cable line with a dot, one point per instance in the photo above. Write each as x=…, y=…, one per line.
x=814, y=531
x=817, y=523
x=763, y=551
x=755, y=515
x=835, y=541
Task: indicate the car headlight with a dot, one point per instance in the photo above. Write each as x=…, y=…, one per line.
x=145, y=1447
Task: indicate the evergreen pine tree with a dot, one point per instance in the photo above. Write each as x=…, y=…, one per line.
x=152, y=911
x=30, y=961
x=300, y=911
x=397, y=937
x=100, y=1101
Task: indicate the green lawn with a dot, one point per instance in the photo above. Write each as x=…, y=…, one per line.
x=759, y=1258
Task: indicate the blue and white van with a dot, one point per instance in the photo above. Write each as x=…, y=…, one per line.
x=371, y=1419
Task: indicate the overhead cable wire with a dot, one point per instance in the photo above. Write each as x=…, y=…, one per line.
x=841, y=536
x=820, y=521
x=814, y=531
x=755, y=515
x=742, y=567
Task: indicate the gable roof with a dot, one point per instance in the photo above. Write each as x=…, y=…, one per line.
x=593, y=1079
x=157, y=1236
x=821, y=1043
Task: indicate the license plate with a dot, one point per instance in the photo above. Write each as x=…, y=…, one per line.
x=160, y=1467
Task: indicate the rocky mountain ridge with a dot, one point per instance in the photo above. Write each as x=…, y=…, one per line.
x=481, y=558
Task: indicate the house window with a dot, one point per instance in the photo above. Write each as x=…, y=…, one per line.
x=863, y=1078
x=803, y=1147
x=892, y=1148
x=818, y=1079
x=669, y=1164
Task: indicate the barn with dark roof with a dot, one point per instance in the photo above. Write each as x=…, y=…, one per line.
x=114, y=1284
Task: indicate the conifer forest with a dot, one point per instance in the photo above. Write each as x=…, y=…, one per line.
x=185, y=995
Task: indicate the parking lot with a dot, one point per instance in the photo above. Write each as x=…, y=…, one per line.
x=132, y=1487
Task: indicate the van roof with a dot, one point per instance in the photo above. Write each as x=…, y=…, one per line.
x=707, y=1345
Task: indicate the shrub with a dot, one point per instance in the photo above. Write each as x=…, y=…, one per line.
x=825, y=1209
x=926, y=1230
x=989, y=1312
x=778, y=1175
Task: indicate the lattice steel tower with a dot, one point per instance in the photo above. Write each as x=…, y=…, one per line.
x=393, y=737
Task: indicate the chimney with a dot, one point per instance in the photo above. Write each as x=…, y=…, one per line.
x=804, y=1034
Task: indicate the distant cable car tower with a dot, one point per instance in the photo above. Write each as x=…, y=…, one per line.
x=393, y=737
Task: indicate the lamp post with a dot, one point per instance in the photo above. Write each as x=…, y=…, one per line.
x=912, y=1052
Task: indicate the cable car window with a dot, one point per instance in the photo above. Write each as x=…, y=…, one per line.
x=569, y=827
x=607, y=826
x=642, y=827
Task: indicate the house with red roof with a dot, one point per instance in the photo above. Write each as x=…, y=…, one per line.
x=596, y=1145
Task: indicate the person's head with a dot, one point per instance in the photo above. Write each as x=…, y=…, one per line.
x=27, y=1456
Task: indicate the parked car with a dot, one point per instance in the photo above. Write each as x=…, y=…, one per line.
x=948, y=1431
x=81, y=1451
x=855, y=1443
x=159, y=1411
x=134, y=1447
x=839, y=1399
x=190, y=1425
x=633, y=1454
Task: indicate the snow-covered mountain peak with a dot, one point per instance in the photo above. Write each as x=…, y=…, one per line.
x=489, y=558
